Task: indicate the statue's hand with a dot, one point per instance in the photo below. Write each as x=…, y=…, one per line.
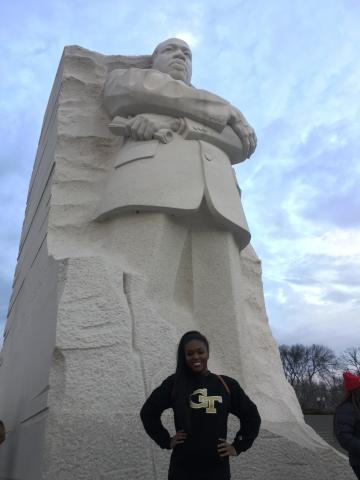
x=244, y=131
x=142, y=127
x=247, y=136
x=145, y=126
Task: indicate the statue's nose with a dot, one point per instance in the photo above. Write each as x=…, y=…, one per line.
x=179, y=54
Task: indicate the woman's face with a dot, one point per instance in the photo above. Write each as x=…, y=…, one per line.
x=196, y=356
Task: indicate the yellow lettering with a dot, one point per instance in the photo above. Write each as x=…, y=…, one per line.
x=202, y=392
x=211, y=403
x=204, y=401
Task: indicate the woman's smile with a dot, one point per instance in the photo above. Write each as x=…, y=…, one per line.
x=196, y=356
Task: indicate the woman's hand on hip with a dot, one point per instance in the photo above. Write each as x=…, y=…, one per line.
x=225, y=449
x=178, y=438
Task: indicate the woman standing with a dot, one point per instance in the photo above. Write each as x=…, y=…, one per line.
x=347, y=421
x=201, y=402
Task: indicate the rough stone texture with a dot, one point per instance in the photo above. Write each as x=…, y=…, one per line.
x=95, y=318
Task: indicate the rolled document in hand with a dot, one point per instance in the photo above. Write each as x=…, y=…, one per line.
x=119, y=126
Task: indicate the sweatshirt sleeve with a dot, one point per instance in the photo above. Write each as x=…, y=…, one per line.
x=158, y=401
x=344, y=423
x=133, y=91
x=247, y=412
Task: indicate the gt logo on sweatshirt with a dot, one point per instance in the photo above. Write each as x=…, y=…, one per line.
x=204, y=401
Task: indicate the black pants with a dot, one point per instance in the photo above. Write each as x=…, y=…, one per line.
x=356, y=469
x=213, y=474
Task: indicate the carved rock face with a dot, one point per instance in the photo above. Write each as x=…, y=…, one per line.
x=173, y=57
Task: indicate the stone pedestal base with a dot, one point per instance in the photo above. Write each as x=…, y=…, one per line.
x=112, y=349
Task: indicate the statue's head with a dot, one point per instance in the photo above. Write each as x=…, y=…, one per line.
x=173, y=56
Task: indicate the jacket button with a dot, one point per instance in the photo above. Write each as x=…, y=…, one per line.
x=208, y=157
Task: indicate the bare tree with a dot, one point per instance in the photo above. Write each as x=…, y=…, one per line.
x=313, y=372
x=350, y=359
x=294, y=359
x=303, y=363
x=321, y=362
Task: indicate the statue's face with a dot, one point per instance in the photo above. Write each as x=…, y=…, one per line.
x=174, y=58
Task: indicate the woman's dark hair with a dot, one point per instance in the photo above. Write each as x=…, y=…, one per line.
x=182, y=386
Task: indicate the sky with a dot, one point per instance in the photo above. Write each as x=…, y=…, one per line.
x=293, y=69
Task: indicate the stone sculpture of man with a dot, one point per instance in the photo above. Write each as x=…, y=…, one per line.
x=171, y=201
x=209, y=134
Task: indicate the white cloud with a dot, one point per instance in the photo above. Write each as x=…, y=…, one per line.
x=190, y=38
x=342, y=243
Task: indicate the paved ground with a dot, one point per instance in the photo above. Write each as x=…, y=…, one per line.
x=323, y=425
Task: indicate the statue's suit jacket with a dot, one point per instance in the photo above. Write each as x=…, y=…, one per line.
x=174, y=177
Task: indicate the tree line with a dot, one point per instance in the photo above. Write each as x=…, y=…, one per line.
x=315, y=372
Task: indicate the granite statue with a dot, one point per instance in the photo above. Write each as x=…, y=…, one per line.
x=206, y=135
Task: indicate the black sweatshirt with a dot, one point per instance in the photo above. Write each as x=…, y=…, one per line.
x=347, y=431
x=210, y=406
